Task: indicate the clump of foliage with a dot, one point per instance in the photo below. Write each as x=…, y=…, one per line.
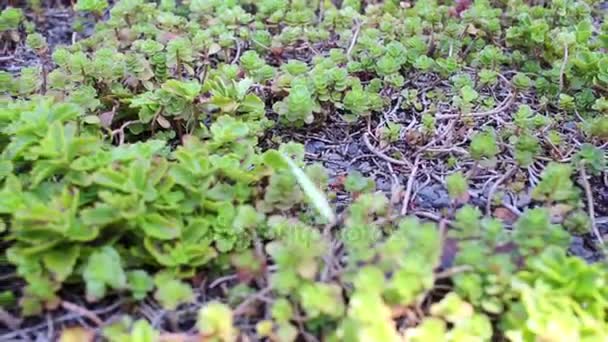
x=148, y=153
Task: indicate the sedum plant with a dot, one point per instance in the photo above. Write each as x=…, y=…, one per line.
x=10, y=20
x=152, y=159
x=299, y=105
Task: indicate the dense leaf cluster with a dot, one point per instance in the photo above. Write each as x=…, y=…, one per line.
x=138, y=157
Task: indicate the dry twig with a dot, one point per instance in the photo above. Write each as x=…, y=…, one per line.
x=507, y=174
x=223, y=279
x=590, y=206
x=504, y=105
x=452, y=271
x=562, y=69
x=121, y=131
x=82, y=311
x=238, y=52
x=9, y=320
x=239, y=310
x=410, y=184
x=382, y=155
x=64, y=318
x=353, y=42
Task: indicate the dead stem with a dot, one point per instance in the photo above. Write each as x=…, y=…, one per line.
x=82, y=311
x=410, y=184
x=507, y=174
x=590, y=206
x=353, y=42
x=121, y=131
x=452, y=271
x=562, y=69
x=382, y=155
x=223, y=279
x=238, y=52
x=256, y=296
x=505, y=104
x=431, y=216
x=9, y=320
x=180, y=337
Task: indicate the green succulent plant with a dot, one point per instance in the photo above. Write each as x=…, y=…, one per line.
x=152, y=159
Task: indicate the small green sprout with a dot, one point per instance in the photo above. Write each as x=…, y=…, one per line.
x=483, y=145
x=96, y=7
x=457, y=186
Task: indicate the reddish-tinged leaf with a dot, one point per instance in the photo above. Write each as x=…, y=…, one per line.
x=505, y=215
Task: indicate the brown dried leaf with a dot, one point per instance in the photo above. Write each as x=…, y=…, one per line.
x=472, y=30
x=559, y=211
x=505, y=215
x=106, y=118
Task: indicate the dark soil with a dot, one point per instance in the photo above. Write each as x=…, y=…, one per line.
x=55, y=23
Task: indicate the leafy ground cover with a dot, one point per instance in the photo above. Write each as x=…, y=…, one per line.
x=303, y=170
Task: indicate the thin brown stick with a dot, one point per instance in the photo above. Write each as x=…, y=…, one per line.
x=507, y=174
x=562, y=69
x=121, y=131
x=394, y=110
x=504, y=105
x=590, y=206
x=9, y=320
x=444, y=133
x=410, y=185
x=453, y=271
x=82, y=311
x=329, y=260
x=64, y=318
x=238, y=52
x=381, y=155
x=50, y=330
x=512, y=209
x=431, y=216
x=223, y=279
x=243, y=306
x=9, y=276
x=453, y=149
x=353, y=42
x=180, y=337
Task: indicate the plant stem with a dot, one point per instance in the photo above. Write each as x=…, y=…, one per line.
x=353, y=42
x=45, y=71
x=82, y=311
x=382, y=155
x=178, y=67
x=410, y=185
x=562, y=69
x=590, y=206
x=452, y=271
x=507, y=174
